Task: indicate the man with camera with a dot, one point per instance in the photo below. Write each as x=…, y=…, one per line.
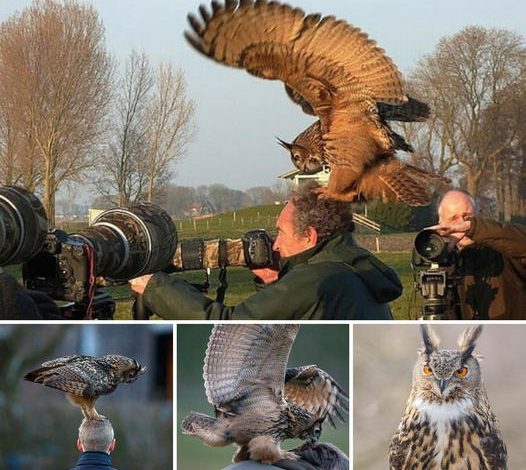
x=491, y=260
x=323, y=274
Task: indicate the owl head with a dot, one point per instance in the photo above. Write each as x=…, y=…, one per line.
x=443, y=375
x=124, y=367
x=302, y=158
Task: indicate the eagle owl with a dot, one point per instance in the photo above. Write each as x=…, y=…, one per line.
x=85, y=378
x=448, y=422
x=334, y=71
x=258, y=401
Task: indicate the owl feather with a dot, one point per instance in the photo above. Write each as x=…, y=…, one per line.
x=86, y=378
x=448, y=421
x=334, y=71
x=258, y=401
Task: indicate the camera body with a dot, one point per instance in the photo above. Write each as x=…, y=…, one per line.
x=436, y=274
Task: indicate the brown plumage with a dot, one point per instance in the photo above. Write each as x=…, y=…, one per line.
x=85, y=378
x=448, y=421
x=334, y=71
x=259, y=402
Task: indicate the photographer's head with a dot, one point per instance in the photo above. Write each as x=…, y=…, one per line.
x=309, y=219
x=454, y=211
x=96, y=436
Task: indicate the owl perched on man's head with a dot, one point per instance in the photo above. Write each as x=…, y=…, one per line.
x=448, y=422
x=85, y=378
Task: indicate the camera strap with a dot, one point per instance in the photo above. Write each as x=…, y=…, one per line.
x=222, y=261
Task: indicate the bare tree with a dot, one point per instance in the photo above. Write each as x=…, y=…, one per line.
x=170, y=117
x=462, y=79
x=153, y=125
x=56, y=85
x=121, y=168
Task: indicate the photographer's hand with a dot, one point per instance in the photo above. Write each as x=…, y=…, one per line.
x=456, y=228
x=267, y=275
x=139, y=284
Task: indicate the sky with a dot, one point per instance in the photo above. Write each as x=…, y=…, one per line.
x=239, y=116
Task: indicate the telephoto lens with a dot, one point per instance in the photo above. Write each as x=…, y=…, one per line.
x=23, y=225
x=129, y=242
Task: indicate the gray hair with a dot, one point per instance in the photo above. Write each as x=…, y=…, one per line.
x=96, y=435
x=326, y=216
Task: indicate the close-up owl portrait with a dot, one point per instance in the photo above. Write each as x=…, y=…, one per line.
x=432, y=397
x=262, y=393
x=335, y=72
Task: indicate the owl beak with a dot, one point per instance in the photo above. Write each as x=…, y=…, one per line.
x=442, y=384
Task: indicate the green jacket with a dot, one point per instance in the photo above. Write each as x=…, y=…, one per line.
x=335, y=280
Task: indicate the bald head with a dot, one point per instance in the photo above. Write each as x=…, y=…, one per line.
x=455, y=204
x=454, y=209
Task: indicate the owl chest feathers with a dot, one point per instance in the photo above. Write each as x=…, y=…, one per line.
x=448, y=435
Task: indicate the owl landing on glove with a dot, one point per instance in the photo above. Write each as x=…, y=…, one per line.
x=258, y=401
x=86, y=378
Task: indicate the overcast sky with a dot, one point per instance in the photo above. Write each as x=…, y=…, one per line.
x=239, y=116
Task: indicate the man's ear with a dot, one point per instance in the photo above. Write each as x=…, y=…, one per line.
x=111, y=448
x=312, y=235
x=79, y=445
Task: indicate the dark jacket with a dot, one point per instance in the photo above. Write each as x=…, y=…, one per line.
x=94, y=461
x=493, y=269
x=335, y=280
x=17, y=303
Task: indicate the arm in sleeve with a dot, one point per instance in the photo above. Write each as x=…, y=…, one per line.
x=175, y=299
x=506, y=238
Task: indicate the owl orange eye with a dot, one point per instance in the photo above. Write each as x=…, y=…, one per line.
x=462, y=372
x=427, y=370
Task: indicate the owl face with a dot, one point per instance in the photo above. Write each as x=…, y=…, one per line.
x=127, y=369
x=446, y=374
x=303, y=159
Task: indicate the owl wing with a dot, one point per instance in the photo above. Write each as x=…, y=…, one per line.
x=399, y=450
x=245, y=365
x=79, y=375
x=315, y=391
x=332, y=66
x=494, y=450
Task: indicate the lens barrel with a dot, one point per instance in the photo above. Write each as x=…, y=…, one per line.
x=431, y=246
x=129, y=242
x=23, y=225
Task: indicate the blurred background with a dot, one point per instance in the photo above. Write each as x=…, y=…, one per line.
x=38, y=425
x=327, y=346
x=384, y=357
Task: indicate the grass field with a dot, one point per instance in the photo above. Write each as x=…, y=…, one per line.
x=241, y=285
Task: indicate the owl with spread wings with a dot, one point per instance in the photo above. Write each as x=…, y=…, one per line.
x=258, y=401
x=334, y=71
x=86, y=378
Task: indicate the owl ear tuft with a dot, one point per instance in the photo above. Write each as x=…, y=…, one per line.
x=430, y=339
x=467, y=340
x=284, y=144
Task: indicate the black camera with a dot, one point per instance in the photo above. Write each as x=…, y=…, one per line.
x=120, y=244
x=436, y=275
x=23, y=225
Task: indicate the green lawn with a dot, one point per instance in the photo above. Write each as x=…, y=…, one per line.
x=241, y=285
